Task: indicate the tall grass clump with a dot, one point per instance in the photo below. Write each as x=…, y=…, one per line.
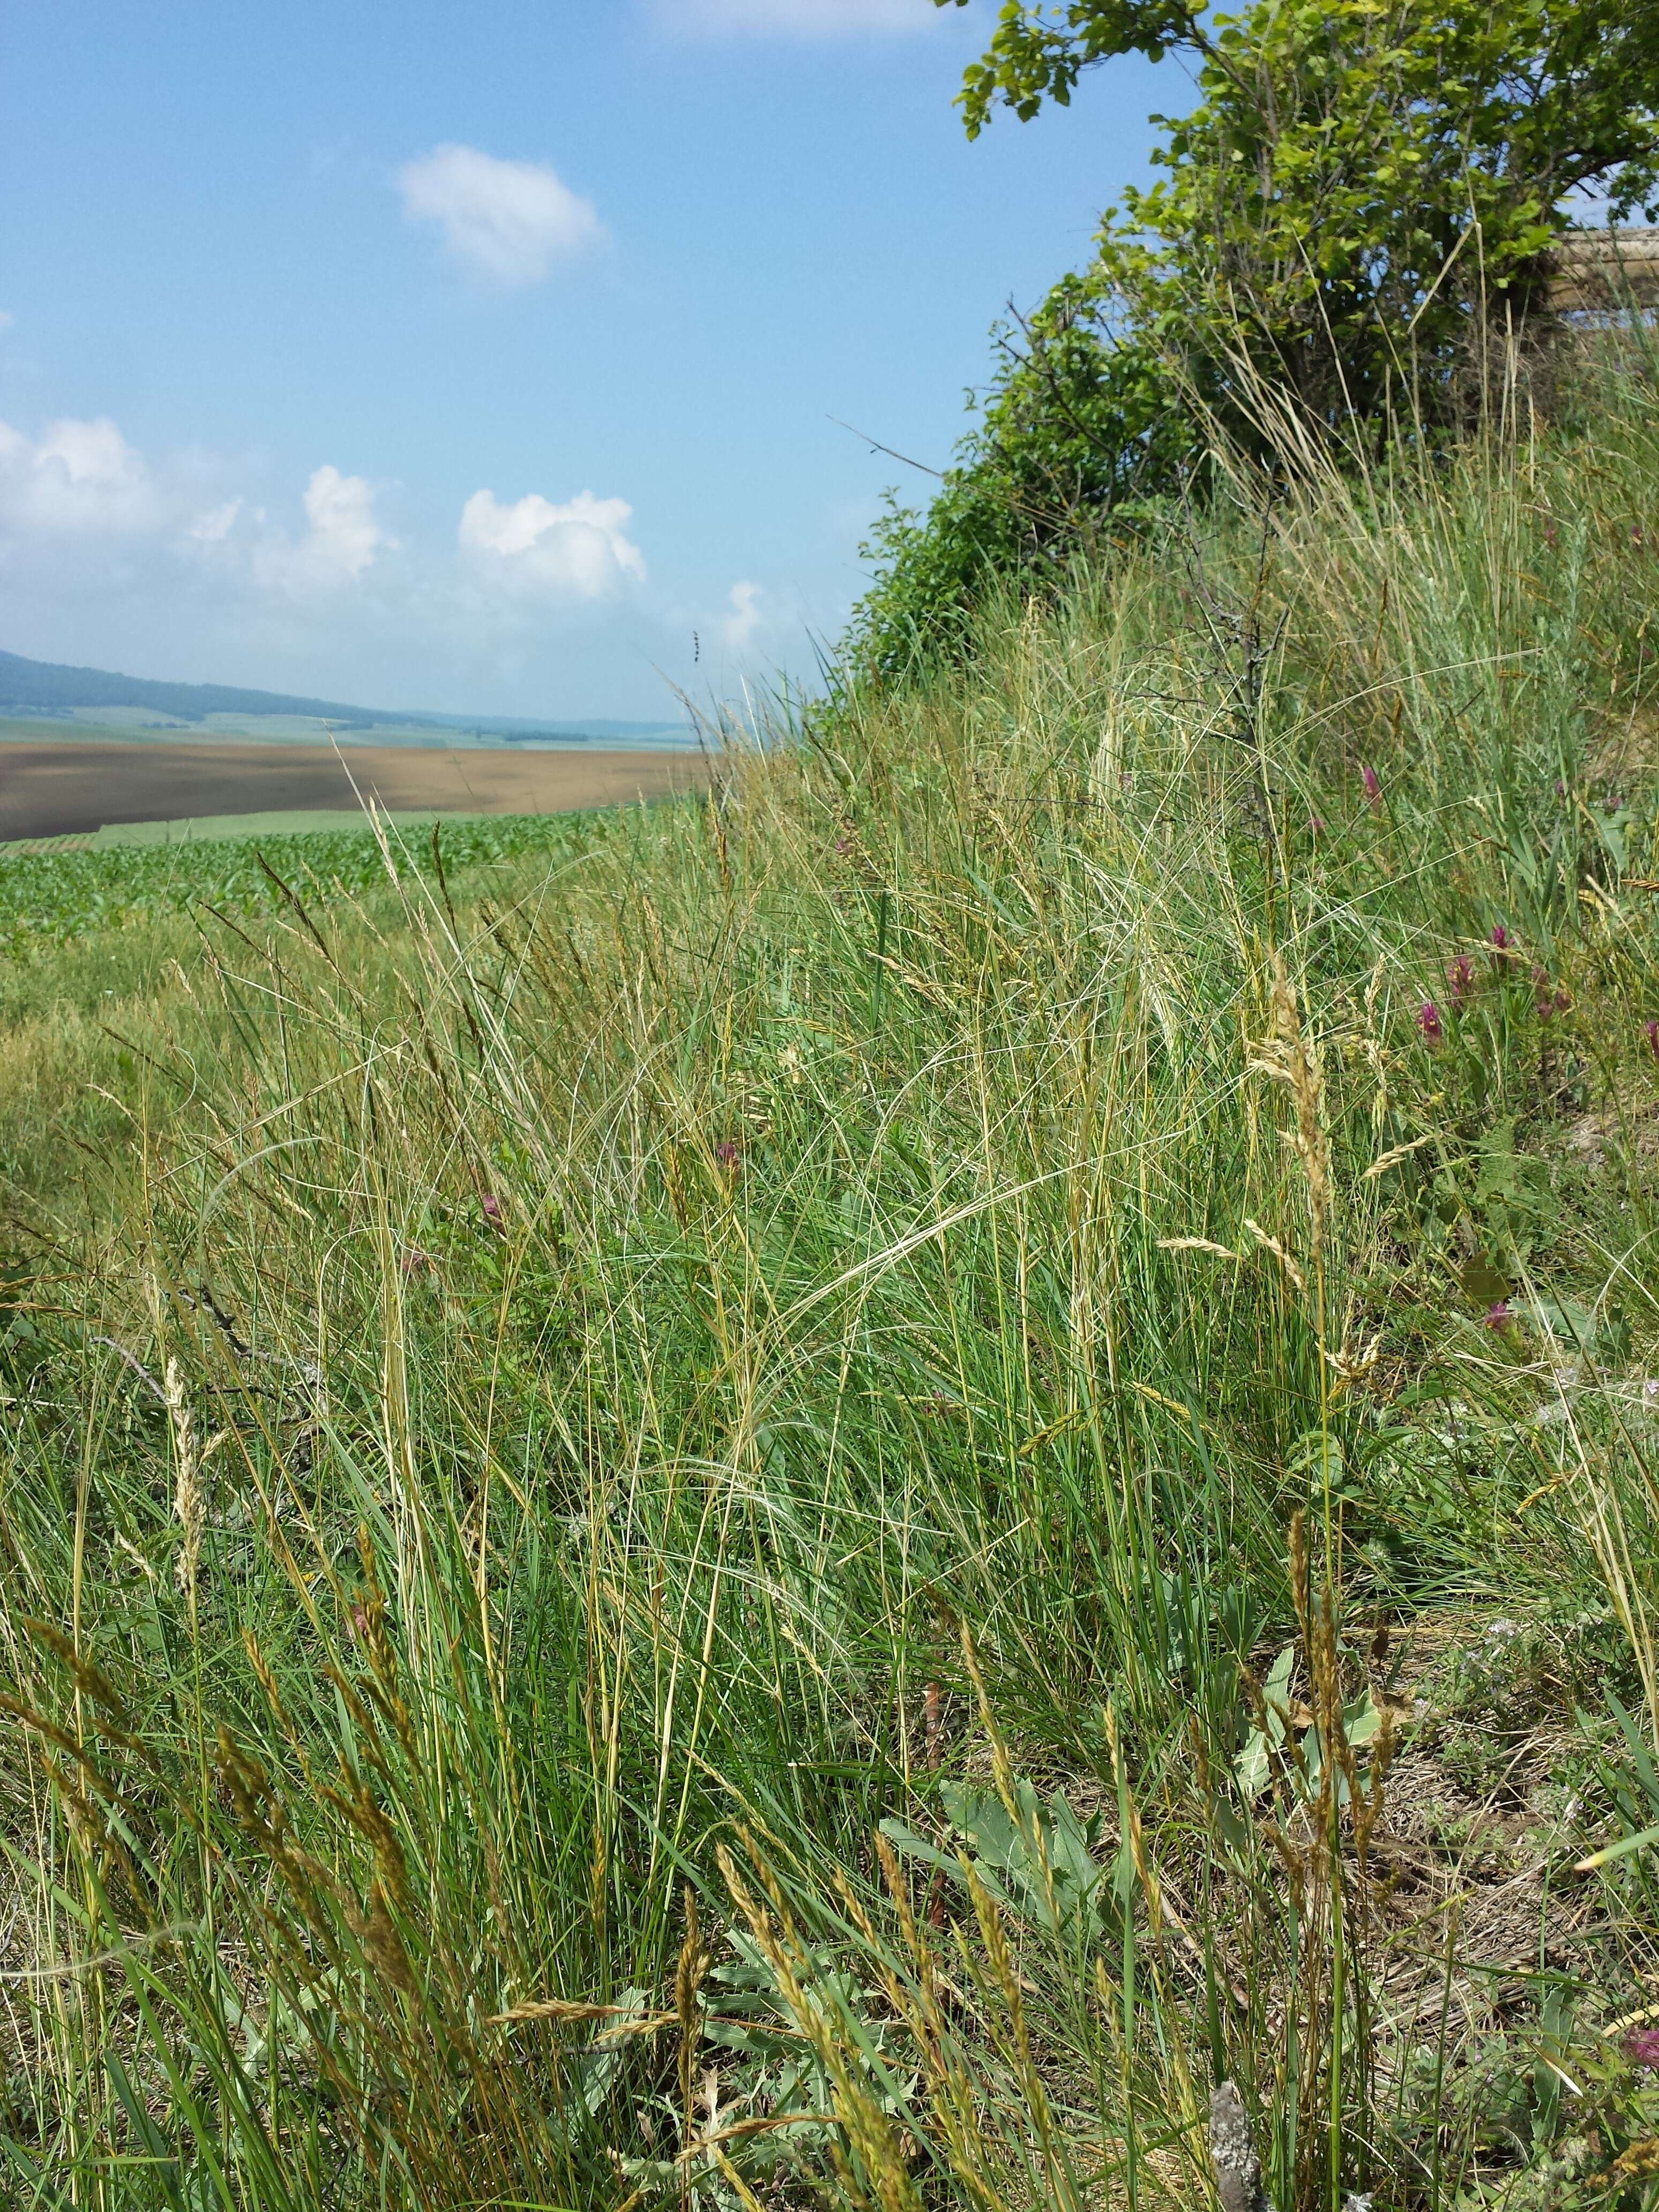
x=929, y=1483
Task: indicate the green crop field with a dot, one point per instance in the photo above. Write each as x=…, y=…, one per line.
x=814, y=1495
x=60, y=889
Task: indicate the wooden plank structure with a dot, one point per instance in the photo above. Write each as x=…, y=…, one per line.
x=1598, y=271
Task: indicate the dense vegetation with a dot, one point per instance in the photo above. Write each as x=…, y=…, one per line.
x=829, y=1497
x=1351, y=229
x=820, y=1498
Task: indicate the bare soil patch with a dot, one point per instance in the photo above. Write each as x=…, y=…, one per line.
x=59, y=790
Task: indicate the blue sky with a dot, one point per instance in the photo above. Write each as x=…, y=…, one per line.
x=474, y=356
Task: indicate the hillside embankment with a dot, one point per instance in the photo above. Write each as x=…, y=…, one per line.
x=817, y=1497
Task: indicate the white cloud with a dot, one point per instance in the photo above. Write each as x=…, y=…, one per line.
x=578, y=551
x=341, y=512
x=213, y=527
x=182, y=561
x=795, y=19
x=737, y=629
x=507, y=220
x=80, y=478
x=342, y=545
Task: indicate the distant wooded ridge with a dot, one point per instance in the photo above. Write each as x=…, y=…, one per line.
x=45, y=687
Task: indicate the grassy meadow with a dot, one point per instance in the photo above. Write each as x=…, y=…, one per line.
x=818, y=1496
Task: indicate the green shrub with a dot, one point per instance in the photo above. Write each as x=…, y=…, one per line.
x=1359, y=207
x=1084, y=438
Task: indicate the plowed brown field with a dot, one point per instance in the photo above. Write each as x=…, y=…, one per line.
x=56, y=790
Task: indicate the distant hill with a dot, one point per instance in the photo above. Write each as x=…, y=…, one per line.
x=47, y=687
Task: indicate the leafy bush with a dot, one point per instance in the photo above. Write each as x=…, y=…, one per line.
x=1360, y=185
x=1084, y=438
x=1363, y=197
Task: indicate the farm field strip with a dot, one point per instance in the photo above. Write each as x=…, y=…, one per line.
x=69, y=787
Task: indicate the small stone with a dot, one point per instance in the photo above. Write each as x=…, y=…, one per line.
x=1232, y=2154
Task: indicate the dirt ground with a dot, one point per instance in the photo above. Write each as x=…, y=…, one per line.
x=59, y=790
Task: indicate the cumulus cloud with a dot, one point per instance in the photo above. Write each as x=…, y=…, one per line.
x=342, y=543
x=181, y=558
x=798, y=19
x=506, y=221
x=215, y=526
x=80, y=478
x=344, y=534
x=577, y=550
x=737, y=629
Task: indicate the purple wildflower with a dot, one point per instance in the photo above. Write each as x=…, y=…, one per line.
x=1429, y=1021
x=1641, y=2048
x=1460, y=978
x=1372, y=782
x=1550, y=998
x=492, y=1211
x=1502, y=941
x=1498, y=1316
x=1650, y=1031
x=414, y=1262
x=726, y=1153
x=1551, y=535
x=1317, y=822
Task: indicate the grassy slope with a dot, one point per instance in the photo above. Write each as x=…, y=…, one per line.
x=100, y=947
x=822, y=1311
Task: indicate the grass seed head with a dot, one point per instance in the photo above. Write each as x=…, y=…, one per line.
x=189, y=1492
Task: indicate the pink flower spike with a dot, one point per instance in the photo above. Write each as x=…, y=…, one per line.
x=1642, y=2049
x=1498, y=1316
x=1369, y=777
x=1429, y=1021
x=492, y=1211
x=726, y=1153
x=1459, y=976
x=1502, y=941
x=1551, y=1000
x=1650, y=1031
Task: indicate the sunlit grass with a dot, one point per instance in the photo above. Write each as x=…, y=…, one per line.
x=910, y=1325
